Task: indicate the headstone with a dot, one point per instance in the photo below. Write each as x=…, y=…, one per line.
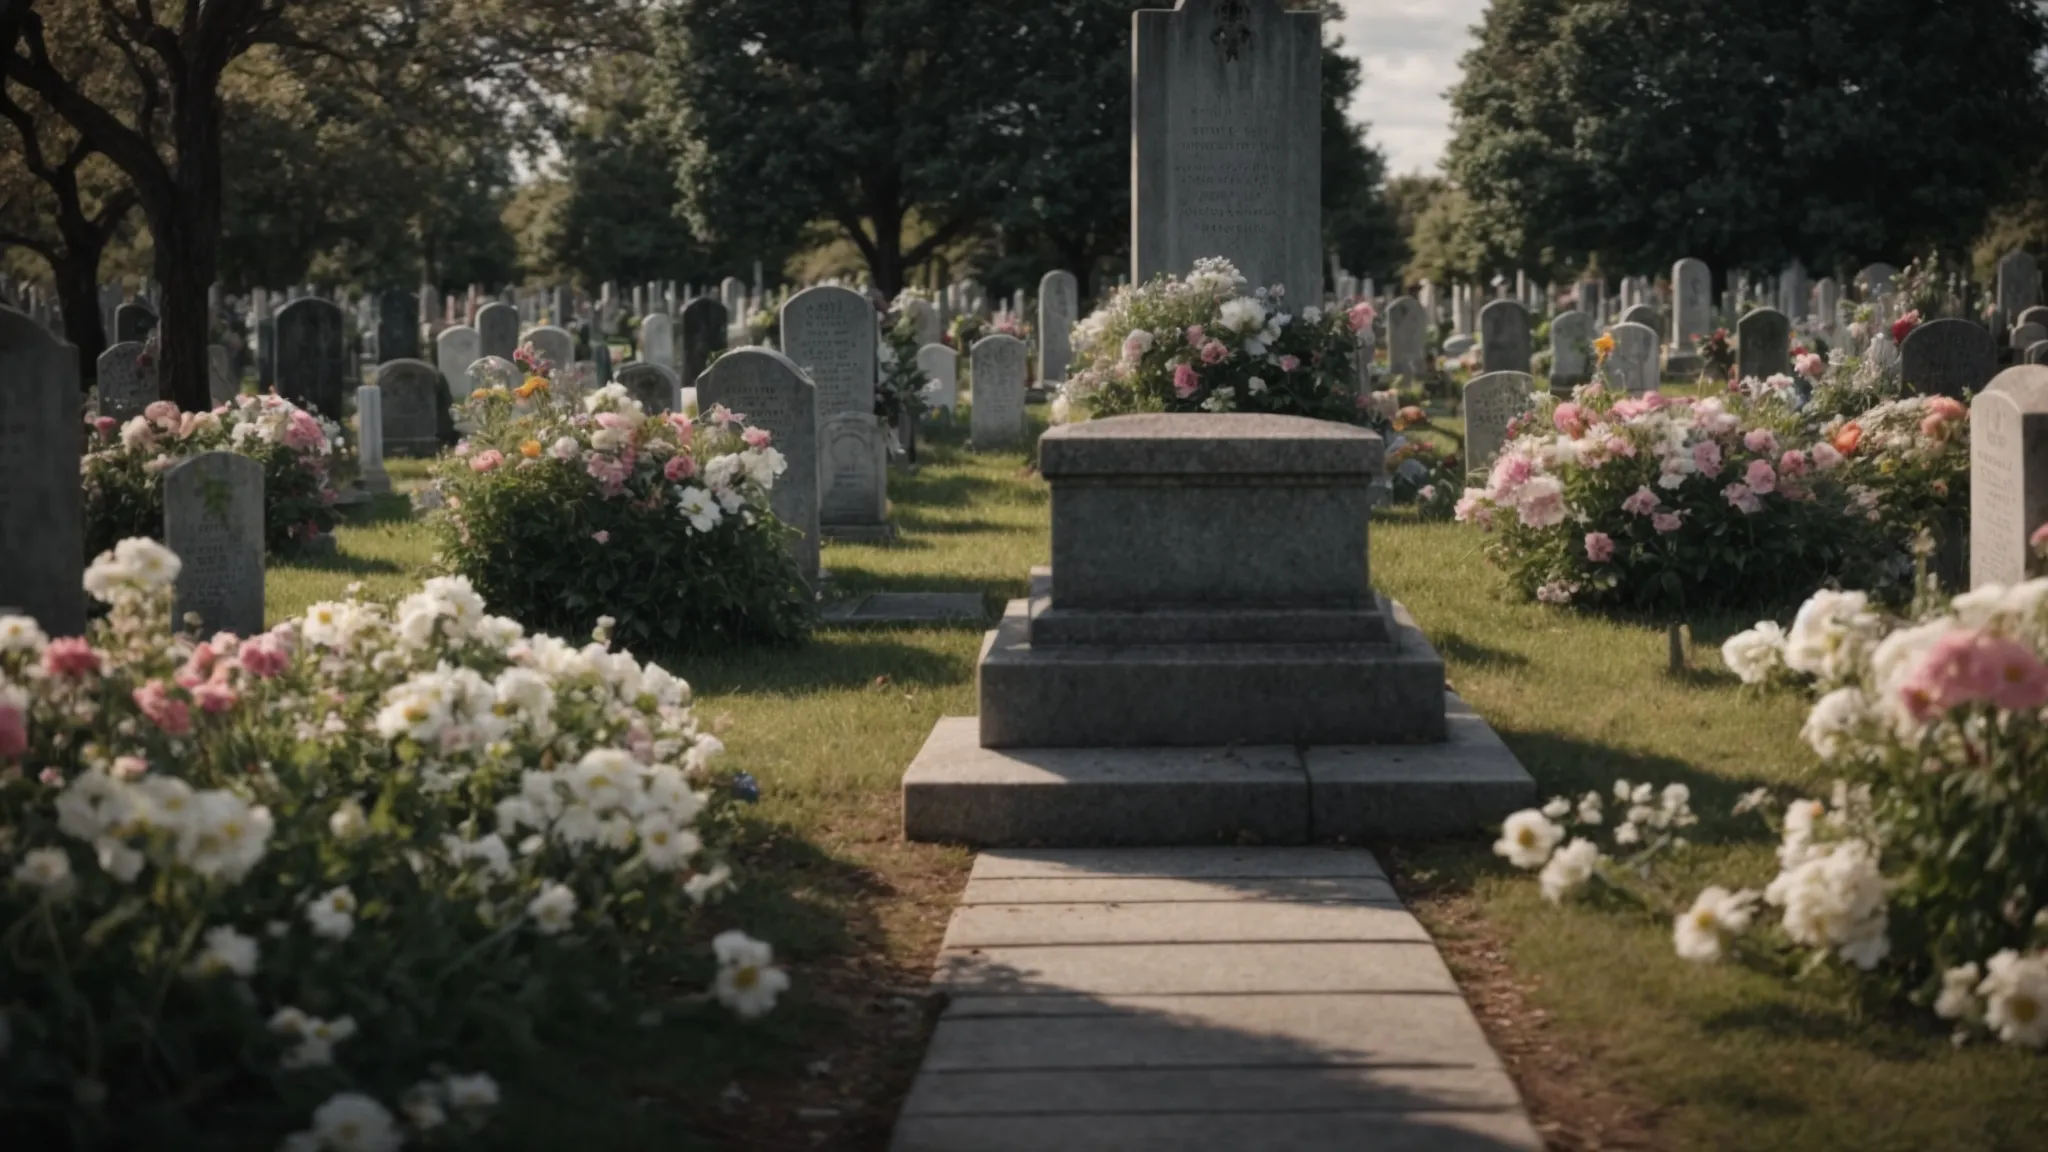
x=213, y=520
x=556, y=345
x=497, y=330
x=1407, y=338
x=1763, y=345
x=1795, y=292
x=1949, y=357
x=854, y=457
x=998, y=374
x=1875, y=280
x=41, y=522
x=411, y=391
x=126, y=387
x=1492, y=401
x=2019, y=285
x=1571, y=349
x=2036, y=353
x=430, y=305
x=455, y=349
x=1504, y=340
x=941, y=366
x=222, y=383
x=704, y=323
x=931, y=326
x=770, y=391
x=658, y=340
x=2024, y=336
x=732, y=292
x=133, y=321
x=1590, y=297
x=1633, y=364
x=655, y=386
x=1059, y=306
x=1226, y=143
x=829, y=333
x=1827, y=295
x=398, y=326
x=2038, y=314
x=312, y=359
x=1643, y=314
x=2008, y=473
x=370, y=440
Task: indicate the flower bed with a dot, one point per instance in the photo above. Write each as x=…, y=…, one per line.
x=123, y=469
x=562, y=513
x=329, y=885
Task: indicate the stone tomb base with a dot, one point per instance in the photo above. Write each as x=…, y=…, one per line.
x=858, y=533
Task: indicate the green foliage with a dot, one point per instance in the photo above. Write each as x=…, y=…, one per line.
x=1359, y=221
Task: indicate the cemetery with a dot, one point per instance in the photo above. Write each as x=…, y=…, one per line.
x=974, y=576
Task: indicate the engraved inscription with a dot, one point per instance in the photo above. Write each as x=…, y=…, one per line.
x=1227, y=171
x=1998, y=527
x=832, y=338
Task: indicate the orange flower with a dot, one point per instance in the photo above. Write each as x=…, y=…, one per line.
x=1604, y=345
x=533, y=384
x=530, y=449
x=479, y=393
x=1847, y=439
x=1408, y=416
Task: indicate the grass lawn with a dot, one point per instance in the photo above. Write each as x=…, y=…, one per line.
x=1616, y=1042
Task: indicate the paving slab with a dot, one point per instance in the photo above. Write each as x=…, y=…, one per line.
x=1012, y=925
x=1161, y=890
x=1349, y=1130
x=1177, y=863
x=1128, y=1091
x=1134, y=969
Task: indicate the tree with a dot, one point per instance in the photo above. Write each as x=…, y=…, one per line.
x=1358, y=221
x=1744, y=132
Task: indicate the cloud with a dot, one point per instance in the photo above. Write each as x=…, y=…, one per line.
x=1410, y=49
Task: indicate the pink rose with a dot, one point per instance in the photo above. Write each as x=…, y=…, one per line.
x=1214, y=352
x=1570, y=419
x=1599, y=547
x=196, y=667
x=602, y=536
x=162, y=413
x=757, y=437
x=1184, y=380
x=106, y=425
x=1643, y=503
x=1196, y=334
x=1740, y=496
x=1289, y=363
x=170, y=715
x=1665, y=522
x=214, y=698
x=486, y=460
x=265, y=656
x=69, y=656
x=679, y=468
x=302, y=432
x=1760, y=441
x=1760, y=478
x=1810, y=365
x=1362, y=315
x=1968, y=666
x=1825, y=456
x=1792, y=464
x=1707, y=456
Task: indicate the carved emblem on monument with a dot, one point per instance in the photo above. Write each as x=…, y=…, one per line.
x=1233, y=31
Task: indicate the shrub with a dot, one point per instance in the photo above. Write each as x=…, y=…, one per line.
x=354, y=869
x=901, y=386
x=300, y=454
x=562, y=513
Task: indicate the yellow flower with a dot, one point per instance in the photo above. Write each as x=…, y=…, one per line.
x=479, y=393
x=530, y=449
x=1604, y=345
x=533, y=384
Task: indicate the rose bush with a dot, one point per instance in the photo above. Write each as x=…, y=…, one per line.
x=561, y=512
x=302, y=457
x=321, y=888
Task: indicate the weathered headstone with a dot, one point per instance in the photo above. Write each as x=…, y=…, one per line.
x=2008, y=474
x=1633, y=364
x=497, y=330
x=1492, y=401
x=2019, y=285
x=1949, y=357
x=854, y=461
x=455, y=349
x=941, y=365
x=998, y=374
x=1875, y=280
x=1763, y=345
x=1591, y=297
x=655, y=386
x=769, y=390
x=1571, y=349
x=126, y=387
x=1226, y=143
x=1059, y=306
x=213, y=520
x=312, y=359
x=556, y=345
x=929, y=324
x=222, y=383
x=829, y=333
x=370, y=440
x=41, y=523
x=1407, y=338
x=704, y=324
x=1827, y=295
x=2036, y=353
x=2038, y=314
x=133, y=321
x=658, y=340
x=2024, y=337
x=1504, y=339
x=732, y=292
x=1795, y=292
x=411, y=422
x=398, y=326
x=1644, y=314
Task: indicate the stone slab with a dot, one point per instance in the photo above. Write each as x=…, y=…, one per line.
x=1470, y=781
x=1193, y=969
x=859, y=533
x=1185, y=1091
x=1019, y=925
x=1168, y=624
x=1173, y=863
x=907, y=608
x=1175, y=890
x=1359, y=1129
x=1199, y=446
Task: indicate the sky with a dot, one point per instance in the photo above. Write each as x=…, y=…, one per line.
x=1410, y=49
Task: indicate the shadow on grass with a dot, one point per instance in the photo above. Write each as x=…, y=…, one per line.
x=344, y=562
x=950, y=490
x=1455, y=647
x=851, y=581
x=834, y=661
x=909, y=520
x=1833, y=1021
x=1568, y=766
x=390, y=509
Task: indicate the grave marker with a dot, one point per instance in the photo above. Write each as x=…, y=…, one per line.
x=133, y=321
x=2008, y=474
x=2019, y=286
x=41, y=521
x=1633, y=364
x=1949, y=357
x=769, y=390
x=1571, y=349
x=410, y=395
x=658, y=340
x=213, y=520
x=941, y=365
x=398, y=326
x=1407, y=338
x=1504, y=339
x=497, y=330
x=829, y=333
x=222, y=384
x=1059, y=306
x=998, y=374
x=1492, y=401
x=125, y=386
x=655, y=386
x=854, y=460
x=704, y=324
x=312, y=360
x=455, y=349
x=1763, y=345
x=556, y=345
x=370, y=439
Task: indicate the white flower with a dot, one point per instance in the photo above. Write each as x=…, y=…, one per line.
x=476, y=1090
x=1568, y=868
x=422, y=1106
x=47, y=870
x=1958, y=999
x=353, y=1122
x=701, y=886
x=1834, y=897
x=699, y=508
x=333, y=915
x=117, y=859
x=2015, y=992
x=1716, y=916
x=1256, y=386
x=746, y=982
x=1242, y=314
x=20, y=634
x=663, y=846
x=1527, y=838
x=151, y=565
x=227, y=951
x=1558, y=808
x=223, y=835
x=1589, y=808
x=1832, y=724
x=565, y=448
x=554, y=910
x=1830, y=635
x=347, y=822
x=1755, y=654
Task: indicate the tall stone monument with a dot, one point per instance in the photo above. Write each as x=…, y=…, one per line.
x=312, y=357
x=42, y=533
x=2008, y=473
x=1059, y=306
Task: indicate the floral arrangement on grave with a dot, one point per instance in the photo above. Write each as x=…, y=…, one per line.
x=303, y=457
x=562, y=512
x=901, y=387
x=1209, y=342
x=1425, y=473
x=1717, y=356
x=764, y=327
x=965, y=330
x=333, y=886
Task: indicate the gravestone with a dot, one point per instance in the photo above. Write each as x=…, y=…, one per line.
x=1590, y=297
x=2008, y=474
x=411, y=391
x=769, y=390
x=370, y=440
x=555, y=344
x=398, y=326
x=940, y=365
x=2019, y=286
x=658, y=340
x=1226, y=142
x=1504, y=340
x=732, y=292
x=854, y=464
x=1571, y=349
x=1643, y=314
x=41, y=521
x=829, y=333
x=655, y=386
x=704, y=323
x=497, y=330
x=213, y=520
x=312, y=359
x=1763, y=345
x=1795, y=292
x=1827, y=307
x=1949, y=357
x=2038, y=314
x=455, y=349
x=1059, y=306
x=931, y=326
x=1407, y=338
x=126, y=387
x=133, y=321
x=1492, y=401
x=1633, y=364
x=997, y=372
x=2037, y=352
x=2024, y=336
x=1875, y=280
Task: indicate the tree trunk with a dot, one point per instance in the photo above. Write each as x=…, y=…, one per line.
x=187, y=236
x=78, y=292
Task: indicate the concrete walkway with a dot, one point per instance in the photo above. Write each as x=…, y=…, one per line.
x=1195, y=999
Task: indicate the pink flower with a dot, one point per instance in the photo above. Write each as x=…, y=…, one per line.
x=2019, y=676
x=1810, y=365
x=265, y=656
x=1760, y=478
x=162, y=413
x=486, y=460
x=1825, y=456
x=2039, y=539
x=1760, y=441
x=1570, y=419
x=1214, y=352
x=1628, y=409
x=602, y=536
x=196, y=667
x=1792, y=464
x=215, y=698
x=1472, y=508
x=1707, y=456
x=1617, y=446
x=757, y=437
x=1184, y=380
x=610, y=472
x=1289, y=363
x=721, y=415
x=1968, y=666
x=1362, y=315
x=302, y=432
x=1643, y=503
x=1599, y=547
x=682, y=427
x=106, y=425
x=1740, y=495
x=70, y=656
x=1665, y=522
x=169, y=714
x=1196, y=334
x=679, y=468
x=13, y=730
x=1509, y=473
x=129, y=767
